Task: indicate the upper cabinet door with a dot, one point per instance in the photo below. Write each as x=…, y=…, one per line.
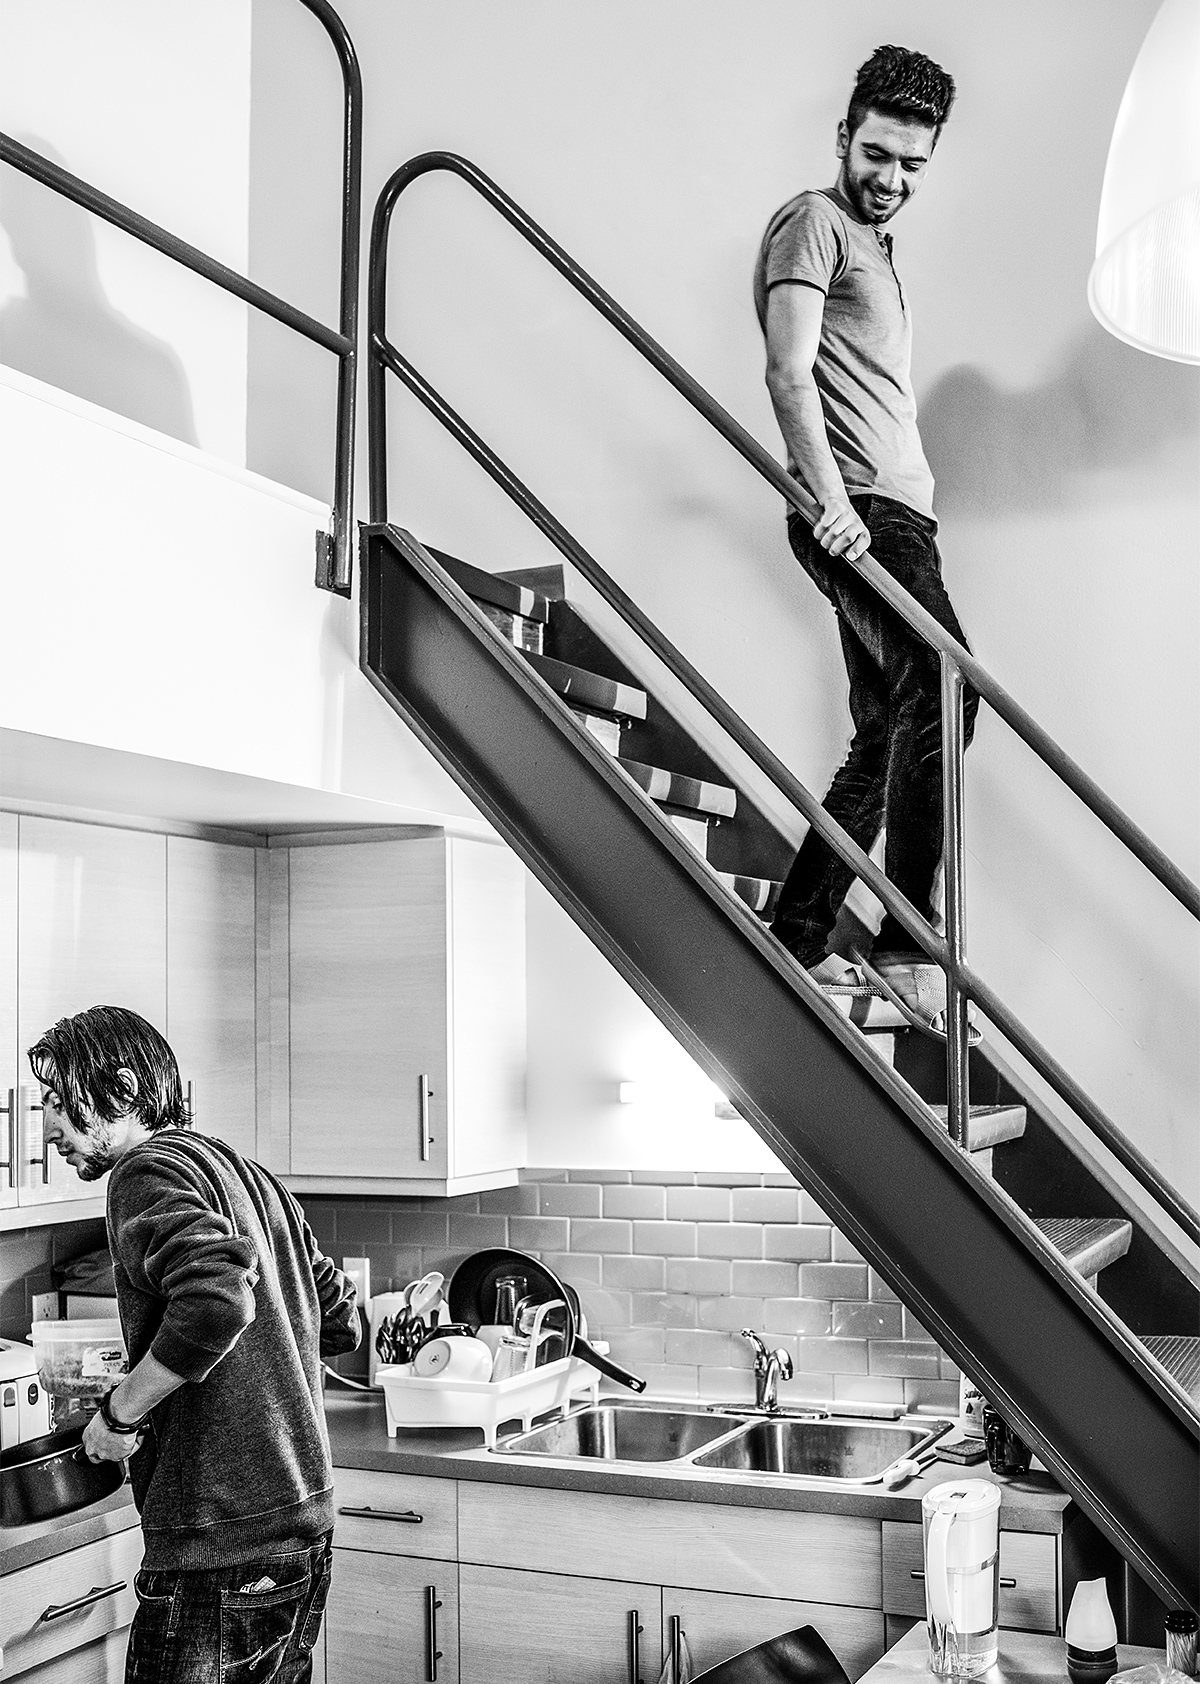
x=210, y=983
x=10, y=1154
x=92, y=930
x=369, y=1009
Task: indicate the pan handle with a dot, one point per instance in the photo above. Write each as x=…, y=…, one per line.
x=614, y=1371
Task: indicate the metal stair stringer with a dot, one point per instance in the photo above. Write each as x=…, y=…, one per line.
x=968, y=1262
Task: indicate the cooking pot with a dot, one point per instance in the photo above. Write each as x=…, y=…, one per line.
x=51, y=1475
x=471, y=1296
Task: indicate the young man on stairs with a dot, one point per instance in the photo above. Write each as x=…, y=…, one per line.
x=839, y=338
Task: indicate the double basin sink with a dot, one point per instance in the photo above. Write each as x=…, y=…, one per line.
x=794, y=1446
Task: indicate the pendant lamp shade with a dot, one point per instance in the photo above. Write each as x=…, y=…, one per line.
x=1145, y=283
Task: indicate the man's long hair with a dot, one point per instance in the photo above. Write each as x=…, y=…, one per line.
x=81, y=1059
x=902, y=84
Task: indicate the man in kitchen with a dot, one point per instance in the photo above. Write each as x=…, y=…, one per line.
x=839, y=339
x=227, y=1307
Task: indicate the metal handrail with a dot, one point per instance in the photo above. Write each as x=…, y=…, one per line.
x=957, y=664
x=335, y=554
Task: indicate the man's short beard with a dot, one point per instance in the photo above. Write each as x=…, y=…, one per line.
x=99, y=1158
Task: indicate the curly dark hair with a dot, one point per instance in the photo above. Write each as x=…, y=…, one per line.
x=81, y=1057
x=902, y=84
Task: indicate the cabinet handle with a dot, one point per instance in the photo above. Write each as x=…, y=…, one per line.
x=1005, y=1584
x=675, y=1649
x=43, y=1157
x=635, y=1647
x=189, y=1099
x=10, y=1111
x=410, y=1517
x=432, y=1653
x=96, y=1594
x=426, y=1137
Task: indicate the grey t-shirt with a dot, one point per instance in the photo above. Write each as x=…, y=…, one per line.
x=862, y=369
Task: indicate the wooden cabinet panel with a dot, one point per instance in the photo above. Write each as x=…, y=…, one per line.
x=718, y=1626
x=802, y=1557
x=92, y=929
x=211, y=983
x=545, y=1628
x=96, y=1663
x=29, y=1639
x=377, y=1622
x=411, y=1515
x=12, y=1058
x=368, y=1007
x=1029, y=1598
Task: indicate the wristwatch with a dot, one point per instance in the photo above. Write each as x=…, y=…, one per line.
x=111, y=1422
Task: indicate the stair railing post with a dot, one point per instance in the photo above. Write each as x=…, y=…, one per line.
x=954, y=861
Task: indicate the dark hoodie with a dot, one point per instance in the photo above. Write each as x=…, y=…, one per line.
x=218, y=1274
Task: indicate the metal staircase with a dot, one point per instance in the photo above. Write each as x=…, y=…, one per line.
x=1009, y=1242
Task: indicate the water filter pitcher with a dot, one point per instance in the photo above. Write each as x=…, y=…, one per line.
x=962, y=1576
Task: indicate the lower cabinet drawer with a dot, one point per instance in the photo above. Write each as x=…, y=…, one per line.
x=395, y=1514
x=68, y=1601
x=1028, y=1576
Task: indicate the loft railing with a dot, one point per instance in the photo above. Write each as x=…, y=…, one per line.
x=958, y=665
x=335, y=552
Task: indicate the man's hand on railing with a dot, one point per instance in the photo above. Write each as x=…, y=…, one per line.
x=840, y=531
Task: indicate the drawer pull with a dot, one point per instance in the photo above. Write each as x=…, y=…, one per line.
x=409, y=1517
x=96, y=1594
x=432, y=1653
x=1005, y=1584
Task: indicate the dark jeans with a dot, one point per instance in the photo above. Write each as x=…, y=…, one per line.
x=893, y=773
x=213, y=1628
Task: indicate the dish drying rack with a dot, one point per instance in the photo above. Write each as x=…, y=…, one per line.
x=439, y=1401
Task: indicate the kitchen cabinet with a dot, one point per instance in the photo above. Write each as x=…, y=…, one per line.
x=391, y=1619
x=93, y=914
x=210, y=987
x=91, y=929
x=547, y=1628
x=1031, y=1593
x=406, y=1015
x=65, y=1619
x=393, y=1611
x=717, y=1626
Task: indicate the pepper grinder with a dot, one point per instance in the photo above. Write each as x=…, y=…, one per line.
x=1181, y=1641
x=1091, y=1634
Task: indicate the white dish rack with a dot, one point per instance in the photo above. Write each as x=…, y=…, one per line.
x=413, y=1401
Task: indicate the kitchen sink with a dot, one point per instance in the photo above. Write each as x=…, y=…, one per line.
x=850, y=1450
x=727, y=1444
x=625, y=1433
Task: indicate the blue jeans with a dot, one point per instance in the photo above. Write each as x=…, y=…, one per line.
x=215, y=1628
x=892, y=774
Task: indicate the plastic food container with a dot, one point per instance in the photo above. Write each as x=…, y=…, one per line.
x=78, y=1359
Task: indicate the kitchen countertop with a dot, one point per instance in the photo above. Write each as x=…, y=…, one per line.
x=1025, y=1658
x=21, y=1546
x=358, y=1435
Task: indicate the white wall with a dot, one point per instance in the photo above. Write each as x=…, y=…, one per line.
x=161, y=604
x=149, y=100
x=654, y=142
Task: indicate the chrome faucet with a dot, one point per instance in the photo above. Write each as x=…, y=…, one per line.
x=769, y=1368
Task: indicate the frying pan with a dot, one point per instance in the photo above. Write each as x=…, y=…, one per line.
x=472, y=1296
x=51, y=1475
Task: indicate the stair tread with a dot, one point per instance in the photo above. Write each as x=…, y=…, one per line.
x=1179, y=1354
x=1088, y=1243
x=588, y=689
x=989, y=1125
x=676, y=790
x=489, y=587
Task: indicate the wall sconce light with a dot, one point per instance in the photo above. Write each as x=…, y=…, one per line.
x=1145, y=283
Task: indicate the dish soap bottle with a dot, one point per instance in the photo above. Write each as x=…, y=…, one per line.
x=1091, y=1634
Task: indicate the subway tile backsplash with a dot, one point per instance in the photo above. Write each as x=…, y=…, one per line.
x=669, y=1268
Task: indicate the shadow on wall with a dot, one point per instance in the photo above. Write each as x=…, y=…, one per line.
x=1109, y=410
x=64, y=330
